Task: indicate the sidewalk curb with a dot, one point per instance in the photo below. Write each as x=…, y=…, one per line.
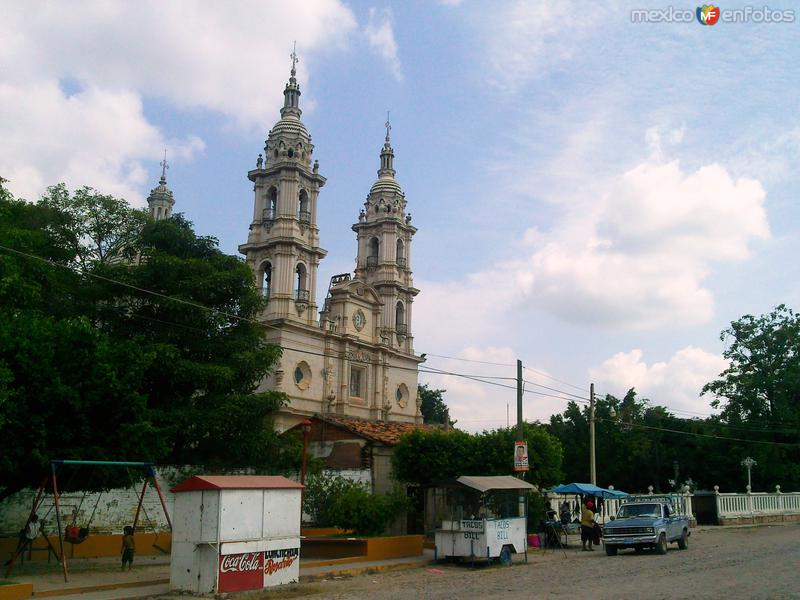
x=348, y=572
x=353, y=571
x=85, y=589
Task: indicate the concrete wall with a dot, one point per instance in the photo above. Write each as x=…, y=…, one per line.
x=115, y=509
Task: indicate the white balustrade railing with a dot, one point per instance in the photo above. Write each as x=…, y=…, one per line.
x=757, y=503
x=729, y=505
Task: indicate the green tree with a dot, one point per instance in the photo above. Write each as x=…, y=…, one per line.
x=433, y=407
x=762, y=383
x=759, y=393
x=93, y=366
x=96, y=228
x=426, y=457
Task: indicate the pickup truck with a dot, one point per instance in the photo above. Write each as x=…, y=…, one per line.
x=646, y=523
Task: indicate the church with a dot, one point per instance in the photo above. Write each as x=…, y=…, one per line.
x=354, y=355
x=348, y=366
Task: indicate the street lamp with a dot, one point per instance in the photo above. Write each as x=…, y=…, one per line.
x=748, y=463
x=306, y=427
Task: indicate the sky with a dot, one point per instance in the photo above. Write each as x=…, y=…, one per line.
x=596, y=197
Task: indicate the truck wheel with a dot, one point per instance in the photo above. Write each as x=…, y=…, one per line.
x=505, y=555
x=683, y=542
x=611, y=550
x=661, y=544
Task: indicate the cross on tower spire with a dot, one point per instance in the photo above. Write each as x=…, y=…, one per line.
x=294, y=58
x=164, y=166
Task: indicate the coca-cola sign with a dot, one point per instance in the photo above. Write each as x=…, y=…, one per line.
x=241, y=562
x=239, y=572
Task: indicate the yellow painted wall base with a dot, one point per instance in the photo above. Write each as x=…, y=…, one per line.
x=16, y=591
x=379, y=548
x=93, y=547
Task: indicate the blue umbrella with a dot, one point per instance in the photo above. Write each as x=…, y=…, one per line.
x=587, y=489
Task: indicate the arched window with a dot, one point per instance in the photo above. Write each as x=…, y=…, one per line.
x=400, y=318
x=266, y=279
x=301, y=291
x=372, y=253
x=271, y=210
x=401, y=254
x=303, y=213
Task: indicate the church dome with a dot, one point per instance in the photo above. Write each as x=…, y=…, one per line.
x=386, y=186
x=291, y=127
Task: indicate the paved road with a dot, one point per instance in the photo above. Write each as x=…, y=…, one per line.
x=747, y=562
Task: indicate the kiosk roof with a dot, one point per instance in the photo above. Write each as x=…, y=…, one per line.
x=236, y=482
x=497, y=482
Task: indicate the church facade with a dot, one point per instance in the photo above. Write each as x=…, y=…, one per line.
x=353, y=356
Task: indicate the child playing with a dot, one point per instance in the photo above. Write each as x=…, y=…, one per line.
x=128, y=547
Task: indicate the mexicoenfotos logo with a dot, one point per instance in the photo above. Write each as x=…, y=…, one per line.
x=708, y=14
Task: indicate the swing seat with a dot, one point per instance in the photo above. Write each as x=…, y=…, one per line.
x=76, y=535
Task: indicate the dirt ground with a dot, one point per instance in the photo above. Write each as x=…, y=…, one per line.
x=746, y=562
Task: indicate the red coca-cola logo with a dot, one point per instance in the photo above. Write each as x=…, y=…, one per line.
x=234, y=563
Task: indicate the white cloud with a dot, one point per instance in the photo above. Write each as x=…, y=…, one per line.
x=229, y=57
x=675, y=383
x=380, y=36
x=95, y=137
x=222, y=57
x=525, y=40
x=638, y=256
x=634, y=256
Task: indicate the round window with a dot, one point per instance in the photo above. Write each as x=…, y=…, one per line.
x=302, y=375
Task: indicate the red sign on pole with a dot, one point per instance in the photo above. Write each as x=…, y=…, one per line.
x=521, y=456
x=240, y=572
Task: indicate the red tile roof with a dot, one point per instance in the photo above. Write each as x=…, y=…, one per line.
x=236, y=482
x=385, y=432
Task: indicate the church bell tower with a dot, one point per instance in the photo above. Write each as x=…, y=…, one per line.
x=283, y=242
x=384, y=233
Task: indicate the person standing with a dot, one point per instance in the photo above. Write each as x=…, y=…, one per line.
x=587, y=525
x=128, y=547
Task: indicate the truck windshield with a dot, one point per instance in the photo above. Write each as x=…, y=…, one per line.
x=627, y=511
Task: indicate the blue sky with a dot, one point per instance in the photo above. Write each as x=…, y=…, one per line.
x=596, y=197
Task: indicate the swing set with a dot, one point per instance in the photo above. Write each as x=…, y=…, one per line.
x=73, y=533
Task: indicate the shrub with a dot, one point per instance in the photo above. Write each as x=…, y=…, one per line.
x=335, y=501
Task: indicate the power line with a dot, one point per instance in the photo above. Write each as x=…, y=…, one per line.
x=555, y=390
x=485, y=379
x=543, y=374
x=697, y=434
x=482, y=362
x=706, y=420
x=498, y=364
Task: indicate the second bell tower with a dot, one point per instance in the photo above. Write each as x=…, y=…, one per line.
x=384, y=234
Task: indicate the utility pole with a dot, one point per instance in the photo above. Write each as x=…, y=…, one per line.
x=520, y=433
x=592, y=465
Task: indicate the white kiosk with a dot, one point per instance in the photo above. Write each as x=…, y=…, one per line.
x=233, y=533
x=482, y=518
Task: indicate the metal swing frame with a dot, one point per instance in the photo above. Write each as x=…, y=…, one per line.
x=51, y=481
